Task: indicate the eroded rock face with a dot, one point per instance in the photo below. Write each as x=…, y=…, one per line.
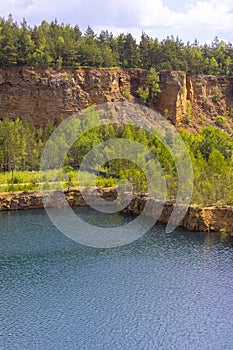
x=172, y=101
x=46, y=94
x=43, y=94
x=210, y=96
x=192, y=100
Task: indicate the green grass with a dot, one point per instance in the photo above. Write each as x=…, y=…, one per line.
x=51, y=180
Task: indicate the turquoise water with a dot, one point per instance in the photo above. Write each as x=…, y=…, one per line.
x=161, y=292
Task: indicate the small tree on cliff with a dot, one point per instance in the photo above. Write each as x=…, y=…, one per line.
x=149, y=94
x=154, y=87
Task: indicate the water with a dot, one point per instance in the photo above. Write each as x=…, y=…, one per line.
x=162, y=292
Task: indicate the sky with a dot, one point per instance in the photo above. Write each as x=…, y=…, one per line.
x=190, y=19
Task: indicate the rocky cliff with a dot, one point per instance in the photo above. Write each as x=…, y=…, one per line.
x=194, y=101
x=43, y=94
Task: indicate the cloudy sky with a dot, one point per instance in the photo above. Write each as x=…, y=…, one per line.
x=189, y=19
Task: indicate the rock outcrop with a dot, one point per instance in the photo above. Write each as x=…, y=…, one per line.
x=208, y=97
x=172, y=102
x=196, y=219
x=196, y=100
x=45, y=94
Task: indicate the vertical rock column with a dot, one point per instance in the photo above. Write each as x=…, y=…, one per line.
x=172, y=100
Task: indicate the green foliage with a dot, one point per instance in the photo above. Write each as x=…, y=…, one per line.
x=153, y=81
x=143, y=94
x=69, y=180
x=189, y=110
x=217, y=95
x=127, y=95
x=166, y=112
x=34, y=181
x=211, y=151
x=202, y=118
x=61, y=45
x=220, y=120
x=151, y=91
x=231, y=112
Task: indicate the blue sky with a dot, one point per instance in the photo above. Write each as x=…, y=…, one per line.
x=188, y=19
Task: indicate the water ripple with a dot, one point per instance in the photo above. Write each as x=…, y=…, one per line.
x=162, y=292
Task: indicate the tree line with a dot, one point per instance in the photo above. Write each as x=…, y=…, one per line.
x=211, y=152
x=62, y=45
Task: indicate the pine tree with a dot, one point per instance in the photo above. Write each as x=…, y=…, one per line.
x=8, y=42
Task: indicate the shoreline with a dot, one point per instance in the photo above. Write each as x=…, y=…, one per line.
x=199, y=219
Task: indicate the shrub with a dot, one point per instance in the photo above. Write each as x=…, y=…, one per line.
x=189, y=110
x=143, y=94
x=16, y=179
x=217, y=95
x=220, y=120
x=231, y=112
x=202, y=119
x=34, y=181
x=69, y=180
x=165, y=112
x=126, y=94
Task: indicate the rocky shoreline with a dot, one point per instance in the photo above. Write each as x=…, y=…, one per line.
x=207, y=219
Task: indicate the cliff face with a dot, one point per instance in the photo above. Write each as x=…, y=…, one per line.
x=192, y=101
x=172, y=102
x=209, y=97
x=43, y=94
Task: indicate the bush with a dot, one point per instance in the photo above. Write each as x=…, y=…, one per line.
x=126, y=94
x=166, y=112
x=143, y=94
x=202, y=118
x=231, y=112
x=149, y=94
x=220, y=120
x=217, y=95
x=189, y=110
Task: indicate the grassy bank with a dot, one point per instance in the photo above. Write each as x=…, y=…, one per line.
x=51, y=180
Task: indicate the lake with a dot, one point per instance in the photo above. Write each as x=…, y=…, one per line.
x=164, y=291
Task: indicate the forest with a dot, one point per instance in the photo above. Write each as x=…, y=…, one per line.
x=61, y=45
x=211, y=152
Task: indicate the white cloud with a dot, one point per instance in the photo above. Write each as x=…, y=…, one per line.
x=211, y=15
x=193, y=18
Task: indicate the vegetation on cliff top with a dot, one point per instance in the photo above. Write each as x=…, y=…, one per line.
x=57, y=45
x=211, y=151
